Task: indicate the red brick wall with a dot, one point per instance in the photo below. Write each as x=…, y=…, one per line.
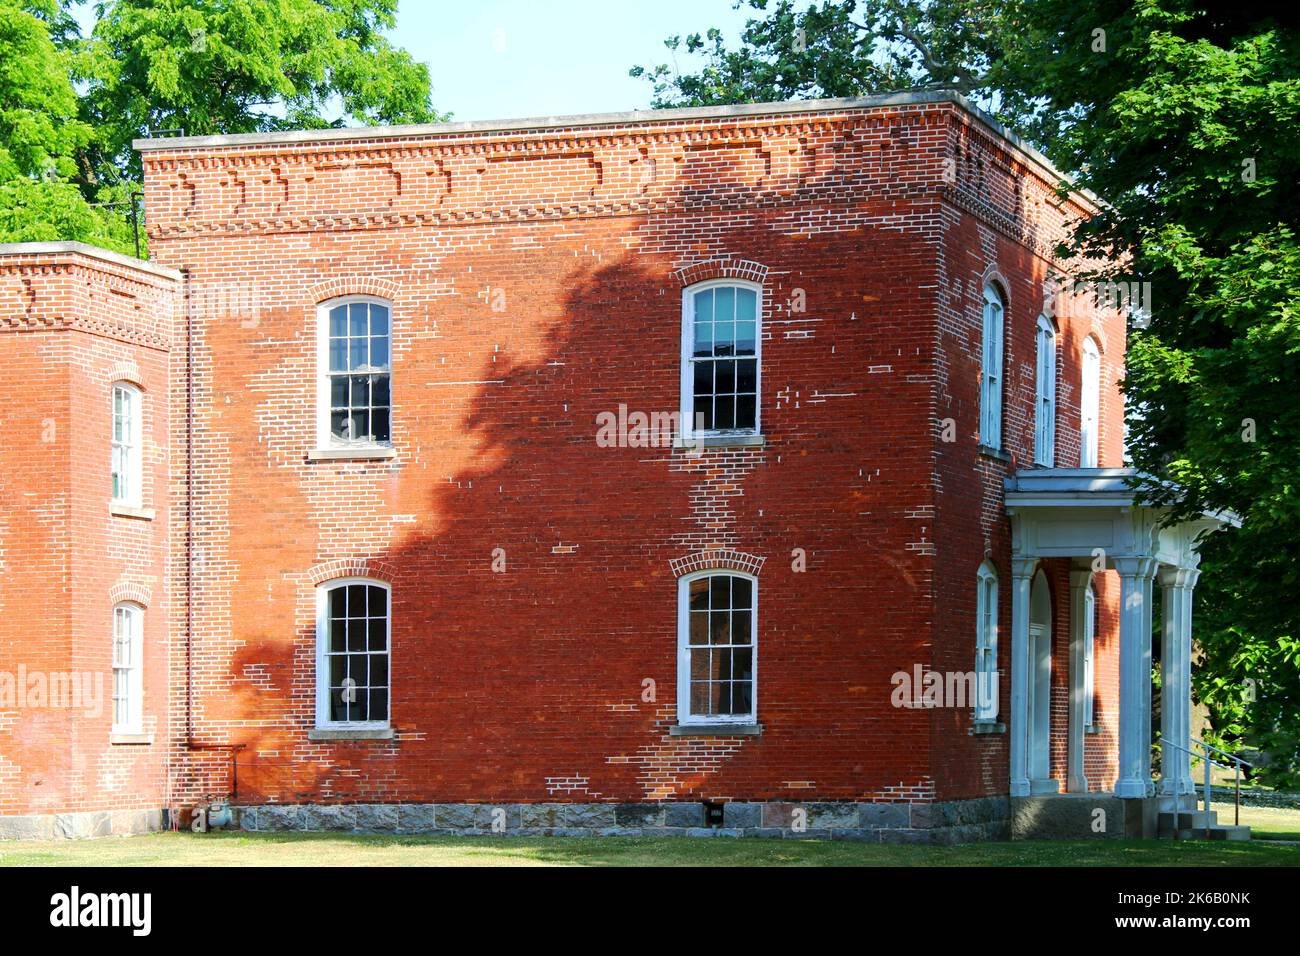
x=526, y=685
x=71, y=324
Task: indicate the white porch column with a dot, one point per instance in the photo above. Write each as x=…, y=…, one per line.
x=1022, y=572
x=1176, y=677
x=1077, y=781
x=1134, y=676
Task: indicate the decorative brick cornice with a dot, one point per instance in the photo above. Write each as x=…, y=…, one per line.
x=352, y=568
x=717, y=559
x=135, y=591
x=726, y=268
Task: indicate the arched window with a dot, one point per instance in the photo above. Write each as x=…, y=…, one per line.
x=721, y=345
x=986, y=643
x=717, y=638
x=352, y=637
x=126, y=459
x=1090, y=404
x=991, y=370
x=1045, y=395
x=128, y=673
x=355, y=373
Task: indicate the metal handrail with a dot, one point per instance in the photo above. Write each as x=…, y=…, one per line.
x=1238, y=763
x=1222, y=753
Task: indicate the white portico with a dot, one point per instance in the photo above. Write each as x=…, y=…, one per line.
x=1092, y=516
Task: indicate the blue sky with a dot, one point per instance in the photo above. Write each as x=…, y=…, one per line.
x=501, y=59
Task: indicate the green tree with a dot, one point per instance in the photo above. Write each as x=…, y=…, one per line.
x=1182, y=116
x=70, y=105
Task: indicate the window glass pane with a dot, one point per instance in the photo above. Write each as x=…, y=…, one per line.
x=724, y=338
x=720, y=627
x=742, y=663
x=725, y=377
x=358, y=353
x=745, y=336
x=377, y=634
x=338, y=355
x=742, y=697
x=699, y=594
x=379, y=425
x=699, y=627
x=378, y=320
x=704, y=378
x=379, y=352
x=746, y=305
x=742, y=593
x=746, y=414
x=740, y=627
x=703, y=338
x=379, y=391
x=719, y=592
x=704, y=306
x=700, y=703
x=359, y=319
x=339, y=321
x=338, y=392
x=378, y=705
x=724, y=412
x=700, y=664
x=378, y=670
x=724, y=309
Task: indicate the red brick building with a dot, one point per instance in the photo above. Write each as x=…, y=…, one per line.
x=618, y=472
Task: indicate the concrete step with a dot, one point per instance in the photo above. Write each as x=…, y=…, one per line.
x=1187, y=819
x=1219, y=831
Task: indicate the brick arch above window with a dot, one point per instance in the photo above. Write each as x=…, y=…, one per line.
x=352, y=568
x=352, y=285
x=135, y=592
x=724, y=268
x=717, y=559
x=994, y=277
x=125, y=370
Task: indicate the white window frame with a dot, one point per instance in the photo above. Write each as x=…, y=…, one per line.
x=324, y=436
x=128, y=634
x=687, y=428
x=323, y=721
x=1045, y=395
x=127, y=449
x=684, y=715
x=1089, y=656
x=1090, y=404
x=993, y=318
x=986, y=642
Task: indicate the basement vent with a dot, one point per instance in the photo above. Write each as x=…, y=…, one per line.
x=712, y=813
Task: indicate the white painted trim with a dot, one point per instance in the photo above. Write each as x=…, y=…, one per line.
x=993, y=317
x=1045, y=394
x=687, y=389
x=133, y=615
x=684, y=716
x=1090, y=405
x=322, y=665
x=133, y=451
x=986, y=641
x=325, y=440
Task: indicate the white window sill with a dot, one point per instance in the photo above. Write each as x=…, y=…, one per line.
x=981, y=727
x=720, y=441
x=359, y=453
x=988, y=451
x=119, y=509
x=127, y=737
x=715, y=730
x=1094, y=729
x=350, y=733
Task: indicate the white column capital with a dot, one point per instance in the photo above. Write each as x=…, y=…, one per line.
x=1023, y=568
x=1136, y=567
x=1080, y=578
x=1171, y=577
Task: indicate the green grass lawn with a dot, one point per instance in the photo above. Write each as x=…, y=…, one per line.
x=300, y=849
x=1266, y=823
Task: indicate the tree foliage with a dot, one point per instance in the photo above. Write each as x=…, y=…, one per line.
x=71, y=105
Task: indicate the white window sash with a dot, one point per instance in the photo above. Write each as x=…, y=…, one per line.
x=688, y=360
x=684, y=715
x=128, y=677
x=1089, y=657
x=127, y=473
x=323, y=719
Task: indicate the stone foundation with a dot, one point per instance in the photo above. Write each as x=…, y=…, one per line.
x=1083, y=816
x=962, y=821
x=81, y=825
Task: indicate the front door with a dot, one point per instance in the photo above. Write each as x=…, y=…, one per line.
x=1040, y=687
